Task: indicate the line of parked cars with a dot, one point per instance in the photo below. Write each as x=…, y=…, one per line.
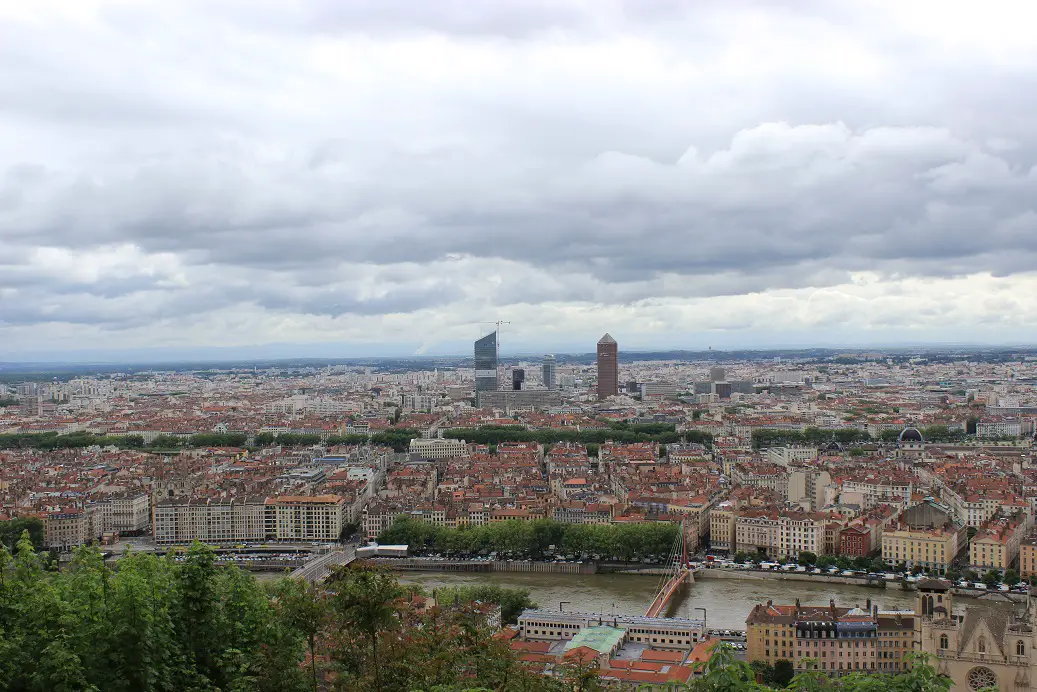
x=837, y=572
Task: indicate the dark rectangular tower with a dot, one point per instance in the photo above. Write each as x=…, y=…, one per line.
x=608, y=367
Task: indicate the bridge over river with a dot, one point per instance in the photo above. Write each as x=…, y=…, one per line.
x=319, y=568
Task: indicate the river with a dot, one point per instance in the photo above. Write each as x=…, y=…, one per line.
x=727, y=601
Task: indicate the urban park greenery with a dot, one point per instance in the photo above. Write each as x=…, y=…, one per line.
x=625, y=433
x=534, y=539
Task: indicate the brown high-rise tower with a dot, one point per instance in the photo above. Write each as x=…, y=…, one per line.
x=608, y=367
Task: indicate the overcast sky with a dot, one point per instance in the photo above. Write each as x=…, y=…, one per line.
x=378, y=176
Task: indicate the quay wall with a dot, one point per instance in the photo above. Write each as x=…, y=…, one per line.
x=424, y=565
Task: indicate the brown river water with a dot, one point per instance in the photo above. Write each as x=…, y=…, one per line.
x=727, y=601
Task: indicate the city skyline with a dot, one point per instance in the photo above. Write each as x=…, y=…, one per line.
x=377, y=178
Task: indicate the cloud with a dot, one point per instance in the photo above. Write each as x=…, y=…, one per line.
x=242, y=173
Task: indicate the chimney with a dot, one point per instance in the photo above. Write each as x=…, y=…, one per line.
x=869, y=605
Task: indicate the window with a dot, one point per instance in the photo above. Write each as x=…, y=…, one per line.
x=1020, y=648
x=943, y=641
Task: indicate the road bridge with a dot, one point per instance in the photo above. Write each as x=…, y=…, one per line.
x=319, y=568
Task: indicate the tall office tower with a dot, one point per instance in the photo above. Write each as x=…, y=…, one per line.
x=608, y=367
x=518, y=376
x=717, y=374
x=486, y=364
x=548, y=368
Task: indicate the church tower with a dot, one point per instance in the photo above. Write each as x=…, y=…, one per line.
x=934, y=599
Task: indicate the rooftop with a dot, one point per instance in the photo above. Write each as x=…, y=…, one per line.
x=602, y=639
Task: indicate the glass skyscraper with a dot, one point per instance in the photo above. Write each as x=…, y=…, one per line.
x=549, y=376
x=486, y=364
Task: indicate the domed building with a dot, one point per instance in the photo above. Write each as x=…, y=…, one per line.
x=911, y=444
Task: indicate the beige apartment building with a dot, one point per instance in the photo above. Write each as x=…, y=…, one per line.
x=438, y=448
x=318, y=518
x=758, y=531
x=289, y=518
x=183, y=520
x=837, y=640
x=996, y=544
x=66, y=529
x=722, y=527
x=926, y=534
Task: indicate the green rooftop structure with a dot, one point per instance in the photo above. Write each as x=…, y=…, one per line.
x=604, y=640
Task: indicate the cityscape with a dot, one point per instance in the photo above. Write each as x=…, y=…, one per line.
x=898, y=488
x=518, y=346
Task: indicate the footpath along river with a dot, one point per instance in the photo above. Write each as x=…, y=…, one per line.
x=727, y=601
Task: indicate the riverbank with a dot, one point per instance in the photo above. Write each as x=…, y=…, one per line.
x=727, y=601
x=415, y=564
x=792, y=576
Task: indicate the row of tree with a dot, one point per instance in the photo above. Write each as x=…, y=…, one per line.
x=539, y=538
x=397, y=438
x=493, y=435
x=772, y=437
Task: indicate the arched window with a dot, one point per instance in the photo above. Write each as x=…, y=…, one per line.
x=943, y=641
x=1020, y=648
x=982, y=645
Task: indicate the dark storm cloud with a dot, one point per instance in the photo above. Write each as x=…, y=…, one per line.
x=776, y=197
x=360, y=158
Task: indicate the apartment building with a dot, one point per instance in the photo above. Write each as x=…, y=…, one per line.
x=722, y=534
x=806, y=487
x=787, y=455
x=758, y=531
x=305, y=518
x=869, y=490
x=1004, y=427
x=66, y=529
x=839, y=640
x=799, y=532
x=1028, y=556
x=761, y=475
x=976, y=507
x=130, y=512
x=926, y=534
x=576, y=512
x=436, y=448
x=996, y=544
x=183, y=520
